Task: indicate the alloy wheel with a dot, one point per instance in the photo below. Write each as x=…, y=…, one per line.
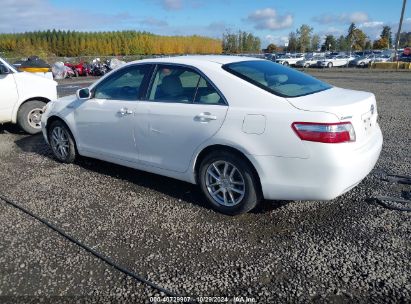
x=225, y=183
x=59, y=142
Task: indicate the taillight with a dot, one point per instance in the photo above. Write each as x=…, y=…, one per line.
x=331, y=133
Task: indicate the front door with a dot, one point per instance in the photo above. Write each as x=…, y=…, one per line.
x=105, y=123
x=182, y=110
x=8, y=96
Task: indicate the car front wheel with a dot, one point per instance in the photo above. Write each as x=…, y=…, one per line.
x=62, y=142
x=229, y=183
x=330, y=65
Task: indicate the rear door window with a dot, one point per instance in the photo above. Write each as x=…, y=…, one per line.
x=275, y=78
x=182, y=85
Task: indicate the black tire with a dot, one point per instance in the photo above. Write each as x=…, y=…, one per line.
x=286, y=63
x=330, y=65
x=29, y=115
x=252, y=194
x=71, y=154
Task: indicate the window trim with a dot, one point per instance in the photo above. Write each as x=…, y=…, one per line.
x=143, y=87
x=195, y=69
x=257, y=84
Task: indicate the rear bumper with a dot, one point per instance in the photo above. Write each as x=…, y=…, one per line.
x=331, y=170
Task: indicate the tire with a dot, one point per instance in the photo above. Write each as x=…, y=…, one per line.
x=306, y=65
x=362, y=64
x=29, y=116
x=227, y=200
x=330, y=65
x=62, y=142
x=286, y=63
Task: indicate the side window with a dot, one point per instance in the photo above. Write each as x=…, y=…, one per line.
x=124, y=84
x=174, y=84
x=206, y=94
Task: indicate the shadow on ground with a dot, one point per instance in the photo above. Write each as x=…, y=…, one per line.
x=169, y=186
x=10, y=128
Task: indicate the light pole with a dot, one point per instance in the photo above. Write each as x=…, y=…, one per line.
x=397, y=41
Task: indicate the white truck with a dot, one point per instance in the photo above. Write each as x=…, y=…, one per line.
x=23, y=96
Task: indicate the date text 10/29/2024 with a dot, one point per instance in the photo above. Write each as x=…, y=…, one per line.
x=236, y=299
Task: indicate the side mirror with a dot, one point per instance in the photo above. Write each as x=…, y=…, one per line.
x=83, y=93
x=4, y=69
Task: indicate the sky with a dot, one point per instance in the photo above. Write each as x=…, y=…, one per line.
x=271, y=20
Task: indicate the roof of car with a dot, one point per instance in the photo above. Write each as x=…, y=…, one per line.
x=192, y=59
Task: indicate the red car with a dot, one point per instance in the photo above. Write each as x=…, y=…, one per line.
x=81, y=69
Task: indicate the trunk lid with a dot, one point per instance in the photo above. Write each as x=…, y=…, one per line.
x=357, y=107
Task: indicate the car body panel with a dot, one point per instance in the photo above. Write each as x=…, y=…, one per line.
x=254, y=122
x=18, y=87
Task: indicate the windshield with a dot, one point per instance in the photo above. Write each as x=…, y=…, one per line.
x=9, y=65
x=276, y=78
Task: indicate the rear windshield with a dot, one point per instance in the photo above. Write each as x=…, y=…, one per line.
x=276, y=78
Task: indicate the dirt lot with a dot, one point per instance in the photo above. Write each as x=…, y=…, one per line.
x=343, y=251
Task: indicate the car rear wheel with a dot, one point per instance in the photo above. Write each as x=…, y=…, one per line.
x=330, y=65
x=229, y=183
x=62, y=142
x=286, y=63
x=29, y=116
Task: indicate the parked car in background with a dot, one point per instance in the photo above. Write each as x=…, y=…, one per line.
x=270, y=56
x=381, y=58
x=309, y=62
x=217, y=121
x=290, y=59
x=23, y=96
x=80, y=69
x=334, y=61
x=363, y=61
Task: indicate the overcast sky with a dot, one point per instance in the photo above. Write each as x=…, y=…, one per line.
x=270, y=20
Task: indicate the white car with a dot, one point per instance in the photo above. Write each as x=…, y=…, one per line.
x=23, y=97
x=289, y=59
x=241, y=128
x=336, y=61
x=364, y=60
x=308, y=62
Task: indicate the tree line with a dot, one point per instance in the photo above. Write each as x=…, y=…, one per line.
x=240, y=42
x=305, y=40
x=73, y=43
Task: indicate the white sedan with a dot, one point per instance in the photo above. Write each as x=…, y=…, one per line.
x=336, y=61
x=243, y=129
x=308, y=62
x=23, y=96
x=290, y=60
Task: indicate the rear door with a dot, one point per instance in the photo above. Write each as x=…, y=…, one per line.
x=182, y=110
x=8, y=96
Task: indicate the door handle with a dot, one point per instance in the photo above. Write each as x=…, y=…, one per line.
x=205, y=117
x=124, y=112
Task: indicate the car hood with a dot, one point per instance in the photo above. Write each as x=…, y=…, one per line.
x=34, y=78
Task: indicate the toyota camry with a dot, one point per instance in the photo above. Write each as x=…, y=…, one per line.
x=243, y=129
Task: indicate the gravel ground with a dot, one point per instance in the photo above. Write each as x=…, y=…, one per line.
x=343, y=251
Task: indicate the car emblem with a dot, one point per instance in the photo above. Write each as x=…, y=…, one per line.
x=372, y=109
